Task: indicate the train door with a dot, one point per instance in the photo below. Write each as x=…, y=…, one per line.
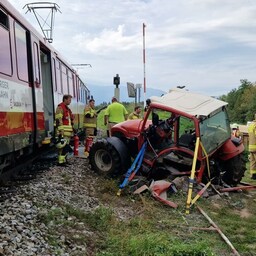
x=42, y=84
x=48, y=104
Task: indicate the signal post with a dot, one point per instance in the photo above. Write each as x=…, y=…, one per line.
x=116, y=82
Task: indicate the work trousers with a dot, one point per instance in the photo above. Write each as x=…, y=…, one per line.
x=63, y=152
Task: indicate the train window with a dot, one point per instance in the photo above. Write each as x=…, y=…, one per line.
x=54, y=74
x=82, y=94
x=5, y=46
x=77, y=88
x=4, y=21
x=58, y=77
x=80, y=91
x=74, y=85
x=21, y=52
x=86, y=95
x=36, y=64
x=70, y=83
x=64, y=79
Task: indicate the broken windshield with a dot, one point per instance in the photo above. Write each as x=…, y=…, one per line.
x=214, y=131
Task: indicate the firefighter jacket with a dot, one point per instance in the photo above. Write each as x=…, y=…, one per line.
x=134, y=116
x=90, y=117
x=64, y=119
x=252, y=136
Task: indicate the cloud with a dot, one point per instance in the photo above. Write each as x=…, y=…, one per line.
x=107, y=41
x=207, y=45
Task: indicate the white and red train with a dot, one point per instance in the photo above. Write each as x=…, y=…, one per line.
x=33, y=79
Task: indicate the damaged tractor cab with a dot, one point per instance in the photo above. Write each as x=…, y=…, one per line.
x=170, y=128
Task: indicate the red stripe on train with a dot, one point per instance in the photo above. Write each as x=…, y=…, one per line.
x=19, y=122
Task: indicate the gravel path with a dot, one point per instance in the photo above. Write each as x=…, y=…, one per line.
x=21, y=230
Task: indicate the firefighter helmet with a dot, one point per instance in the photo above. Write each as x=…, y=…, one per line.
x=61, y=143
x=234, y=126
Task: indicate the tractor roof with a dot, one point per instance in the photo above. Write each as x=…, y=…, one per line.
x=191, y=103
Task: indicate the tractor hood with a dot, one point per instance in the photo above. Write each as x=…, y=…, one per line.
x=131, y=128
x=189, y=102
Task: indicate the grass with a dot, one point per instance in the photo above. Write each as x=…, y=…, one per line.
x=155, y=229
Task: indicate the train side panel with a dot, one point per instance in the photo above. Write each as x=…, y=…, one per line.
x=33, y=80
x=16, y=103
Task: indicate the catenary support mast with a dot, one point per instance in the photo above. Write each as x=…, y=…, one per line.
x=144, y=64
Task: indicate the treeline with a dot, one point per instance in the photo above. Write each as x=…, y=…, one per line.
x=241, y=102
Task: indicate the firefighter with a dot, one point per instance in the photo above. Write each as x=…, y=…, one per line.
x=64, y=121
x=135, y=114
x=90, y=119
x=90, y=124
x=252, y=147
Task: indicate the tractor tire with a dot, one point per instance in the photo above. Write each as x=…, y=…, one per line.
x=234, y=170
x=108, y=160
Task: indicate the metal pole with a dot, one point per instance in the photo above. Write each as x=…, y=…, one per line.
x=235, y=252
x=139, y=94
x=138, y=86
x=135, y=96
x=144, y=64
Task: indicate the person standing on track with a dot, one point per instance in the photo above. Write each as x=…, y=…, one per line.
x=114, y=114
x=64, y=121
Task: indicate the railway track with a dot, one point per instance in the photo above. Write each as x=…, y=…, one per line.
x=24, y=171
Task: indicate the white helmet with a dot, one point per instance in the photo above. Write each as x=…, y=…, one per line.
x=234, y=126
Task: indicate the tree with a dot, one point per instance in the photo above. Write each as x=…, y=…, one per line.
x=241, y=102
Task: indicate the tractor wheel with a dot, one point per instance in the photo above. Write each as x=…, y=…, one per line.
x=105, y=159
x=234, y=170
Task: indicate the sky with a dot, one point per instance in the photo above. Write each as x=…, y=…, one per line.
x=206, y=45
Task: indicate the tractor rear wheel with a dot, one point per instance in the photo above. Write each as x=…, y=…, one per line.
x=234, y=169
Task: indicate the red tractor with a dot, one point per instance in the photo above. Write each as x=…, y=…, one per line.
x=169, y=129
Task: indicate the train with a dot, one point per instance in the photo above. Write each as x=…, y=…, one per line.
x=33, y=79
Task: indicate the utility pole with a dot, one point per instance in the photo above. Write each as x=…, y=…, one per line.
x=144, y=63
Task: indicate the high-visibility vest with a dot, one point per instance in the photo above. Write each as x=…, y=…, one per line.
x=252, y=137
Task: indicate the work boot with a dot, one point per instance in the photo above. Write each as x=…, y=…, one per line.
x=253, y=176
x=62, y=164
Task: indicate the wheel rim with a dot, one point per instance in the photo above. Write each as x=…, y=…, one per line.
x=103, y=160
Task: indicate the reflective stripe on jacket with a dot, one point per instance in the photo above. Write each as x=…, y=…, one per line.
x=90, y=117
x=64, y=119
